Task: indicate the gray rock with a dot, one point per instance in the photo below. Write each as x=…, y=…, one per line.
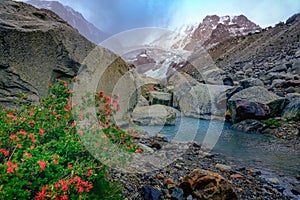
x=151, y=193
x=199, y=101
x=249, y=125
x=177, y=194
x=274, y=181
x=155, y=115
x=251, y=82
x=142, y=101
x=223, y=167
x=280, y=68
x=259, y=100
x=292, y=110
x=161, y=98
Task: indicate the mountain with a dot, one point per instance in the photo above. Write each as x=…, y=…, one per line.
x=74, y=18
x=187, y=39
x=37, y=47
x=214, y=29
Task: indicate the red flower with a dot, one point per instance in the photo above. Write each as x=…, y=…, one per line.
x=31, y=112
x=31, y=123
x=80, y=132
x=89, y=172
x=28, y=155
x=64, y=187
x=42, y=132
x=70, y=166
x=23, y=132
x=65, y=197
x=55, y=162
x=68, y=107
x=42, y=164
x=11, y=167
x=5, y=152
x=80, y=190
x=139, y=150
x=32, y=138
x=19, y=146
x=56, y=185
x=10, y=115
x=9, y=170
x=41, y=195
x=58, y=116
x=108, y=98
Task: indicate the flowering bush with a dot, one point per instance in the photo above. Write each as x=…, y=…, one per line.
x=42, y=155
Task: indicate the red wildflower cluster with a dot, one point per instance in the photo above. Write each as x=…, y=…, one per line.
x=11, y=167
x=5, y=152
x=64, y=186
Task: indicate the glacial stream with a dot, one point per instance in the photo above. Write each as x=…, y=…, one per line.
x=257, y=151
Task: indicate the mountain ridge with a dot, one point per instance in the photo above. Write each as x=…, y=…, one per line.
x=74, y=18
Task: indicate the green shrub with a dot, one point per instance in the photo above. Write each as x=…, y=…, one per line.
x=42, y=156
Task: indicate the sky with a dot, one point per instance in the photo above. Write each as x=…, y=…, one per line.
x=114, y=16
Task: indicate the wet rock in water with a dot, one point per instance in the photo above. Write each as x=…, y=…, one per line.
x=155, y=115
x=251, y=82
x=254, y=103
x=151, y=193
x=249, y=125
x=292, y=110
x=243, y=109
x=204, y=184
x=177, y=194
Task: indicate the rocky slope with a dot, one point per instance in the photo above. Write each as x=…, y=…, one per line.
x=271, y=55
x=74, y=18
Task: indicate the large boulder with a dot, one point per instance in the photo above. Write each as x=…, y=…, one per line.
x=292, y=110
x=204, y=184
x=155, y=115
x=36, y=47
x=197, y=100
x=254, y=103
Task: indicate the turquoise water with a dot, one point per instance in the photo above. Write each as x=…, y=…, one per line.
x=249, y=150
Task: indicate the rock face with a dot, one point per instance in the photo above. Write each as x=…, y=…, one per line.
x=74, y=18
x=36, y=47
x=155, y=115
x=204, y=184
x=254, y=103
